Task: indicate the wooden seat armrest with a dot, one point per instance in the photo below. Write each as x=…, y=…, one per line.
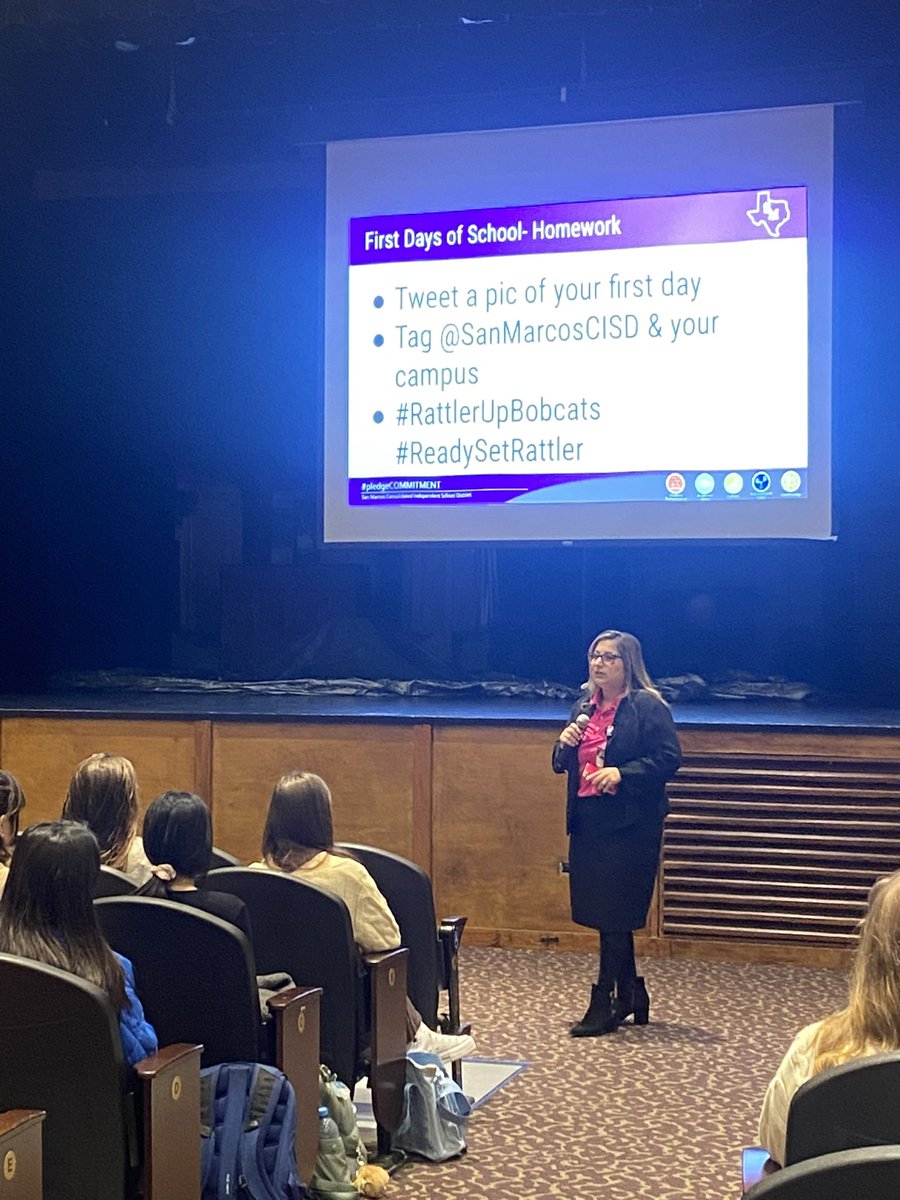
x=16, y=1119
x=387, y=1075
x=171, y=1115
x=165, y=1057
x=21, y=1153
x=755, y=1165
x=380, y=956
x=287, y=997
x=295, y=1016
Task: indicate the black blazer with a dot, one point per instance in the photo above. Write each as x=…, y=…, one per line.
x=644, y=746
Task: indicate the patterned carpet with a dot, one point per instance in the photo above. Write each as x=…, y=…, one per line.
x=660, y=1111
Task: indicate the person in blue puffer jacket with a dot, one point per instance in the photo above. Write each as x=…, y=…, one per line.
x=47, y=914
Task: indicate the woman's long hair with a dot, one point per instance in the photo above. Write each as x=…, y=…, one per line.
x=103, y=794
x=871, y=1021
x=299, y=824
x=12, y=801
x=636, y=677
x=177, y=840
x=47, y=910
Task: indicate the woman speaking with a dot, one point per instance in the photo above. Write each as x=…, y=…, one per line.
x=618, y=750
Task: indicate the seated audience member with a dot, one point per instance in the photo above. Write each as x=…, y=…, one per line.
x=178, y=843
x=103, y=793
x=299, y=840
x=47, y=914
x=869, y=1024
x=12, y=801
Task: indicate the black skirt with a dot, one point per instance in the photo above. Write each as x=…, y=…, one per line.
x=611, y=873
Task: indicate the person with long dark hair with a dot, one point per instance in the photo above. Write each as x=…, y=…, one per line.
x=47, y=914
x=12, y=801
x=299, y=840
x=618, y=750
x=177, y=836
x=103, y=793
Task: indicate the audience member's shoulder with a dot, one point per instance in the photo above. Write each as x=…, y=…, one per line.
x=348, y=865
x=137, y=865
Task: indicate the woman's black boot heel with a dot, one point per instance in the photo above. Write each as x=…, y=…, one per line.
x=601, y=1016
x=634, y=1001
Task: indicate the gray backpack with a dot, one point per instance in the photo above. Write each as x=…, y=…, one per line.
x=435, y=1110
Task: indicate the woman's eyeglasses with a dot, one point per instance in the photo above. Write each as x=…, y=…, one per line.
x=604, y=656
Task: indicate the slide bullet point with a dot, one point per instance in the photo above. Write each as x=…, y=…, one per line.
x=378, y=340
x=378, y=301
x=377, y=416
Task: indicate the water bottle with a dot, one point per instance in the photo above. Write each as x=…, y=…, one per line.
x=332, y=1165
x=328, y=1130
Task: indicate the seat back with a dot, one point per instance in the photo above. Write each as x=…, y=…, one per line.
x=869, y=1174
x=301, y=929
x=61, y=1051
x=849, y=1106
x=221, y=858
x=194, y=973
x=408, y=891
x=111, y=882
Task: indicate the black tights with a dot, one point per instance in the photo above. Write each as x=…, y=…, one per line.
x=617, y=969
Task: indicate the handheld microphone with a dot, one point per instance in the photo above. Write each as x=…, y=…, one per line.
x=583, y=720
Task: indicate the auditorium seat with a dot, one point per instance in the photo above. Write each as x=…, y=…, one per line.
x=433, y=948
x=221, y=858
x=21, y=1172
x=869, y=1174
x=61, y=1052
x=306, y=931
x=112, y=882
x=196, y=977
x=846, y=1107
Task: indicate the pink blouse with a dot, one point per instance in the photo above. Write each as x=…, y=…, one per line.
x=592, y=747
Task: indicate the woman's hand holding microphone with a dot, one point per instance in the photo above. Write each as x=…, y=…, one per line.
x=605, y=779
x=574, y=732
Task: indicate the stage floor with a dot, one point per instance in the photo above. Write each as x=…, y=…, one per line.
x=247, y=705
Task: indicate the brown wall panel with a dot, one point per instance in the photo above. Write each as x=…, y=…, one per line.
x=369, y=769
x=43, y=752
x=499, y=828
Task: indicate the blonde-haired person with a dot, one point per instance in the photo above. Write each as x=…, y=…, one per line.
x=12, y=801
x=870, y=1023
x=618, y=750
x=298, y=840
x=103, y=793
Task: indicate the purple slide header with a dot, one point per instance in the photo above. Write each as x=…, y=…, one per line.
x=764, y=214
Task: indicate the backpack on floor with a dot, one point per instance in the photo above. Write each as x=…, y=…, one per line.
x=435, y=1110
x=248, y=1120
x=337, y=1164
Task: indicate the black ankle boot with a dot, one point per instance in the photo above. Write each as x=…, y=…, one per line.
x=633, y=999
x=600, y=1017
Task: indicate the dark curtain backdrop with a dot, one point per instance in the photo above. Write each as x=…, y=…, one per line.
x=161, y=360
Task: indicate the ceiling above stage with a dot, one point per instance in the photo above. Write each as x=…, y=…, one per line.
x=99, y=84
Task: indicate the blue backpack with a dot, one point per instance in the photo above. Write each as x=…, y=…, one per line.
x=248, y=1116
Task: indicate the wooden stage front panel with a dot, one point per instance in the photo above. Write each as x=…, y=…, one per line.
x=42, y=752
x=370, y=770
